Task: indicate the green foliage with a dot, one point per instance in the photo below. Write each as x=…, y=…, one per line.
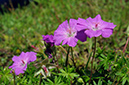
x=57, y=81
x=127, y=31
x=106, y=60
x=99, y=82
x=68, y=73
x=5, y=76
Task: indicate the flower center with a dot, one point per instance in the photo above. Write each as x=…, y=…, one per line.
x=96, y=27
x=70, y=32
x=23, y=63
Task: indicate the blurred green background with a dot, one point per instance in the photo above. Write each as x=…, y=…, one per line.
x=23, y=27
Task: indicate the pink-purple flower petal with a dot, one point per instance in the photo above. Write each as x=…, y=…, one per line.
x=65, y=41
x=96, y=27
x=48, y=39
x=67, y=33
x=97, y=18
x=81, y=35
x=81, y=24
x=90, y=33
x=16, y=58
x=63, y=26
x=107, y=33
x=72, y=42
x=21, y=61
x=72, y=23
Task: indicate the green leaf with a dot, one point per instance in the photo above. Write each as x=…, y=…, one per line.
x=94, y=83
x=80, y=80
x=99, y=82
x=123, y=82
x=40, y=72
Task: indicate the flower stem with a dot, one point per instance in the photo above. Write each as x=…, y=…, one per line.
x=125, y=45
x=88, y=60
x=73, y=57
x=92, y=60
x=40, y=79
x=14, y=77
x=66, y=63
x=119, y=80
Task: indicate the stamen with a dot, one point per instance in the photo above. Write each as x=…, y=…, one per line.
x=69, y=30
x=23, y=62
x=45, y=69
x=96, y=25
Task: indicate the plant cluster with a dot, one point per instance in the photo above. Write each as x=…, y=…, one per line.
x=69, y=68
x=80, y=52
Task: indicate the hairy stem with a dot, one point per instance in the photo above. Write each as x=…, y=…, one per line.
x=73, y=57
x=66, y=63
x=14, y=77
x=92, y=61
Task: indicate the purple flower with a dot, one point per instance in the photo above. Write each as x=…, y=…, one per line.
x=50, y=56
x=96, y=27
x=68, y=33
x=48, y=39
x=20, y=62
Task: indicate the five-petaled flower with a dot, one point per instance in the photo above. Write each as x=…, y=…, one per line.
x=96, y=27
x=20, y=62
x=48, y=39
x=68, y=34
